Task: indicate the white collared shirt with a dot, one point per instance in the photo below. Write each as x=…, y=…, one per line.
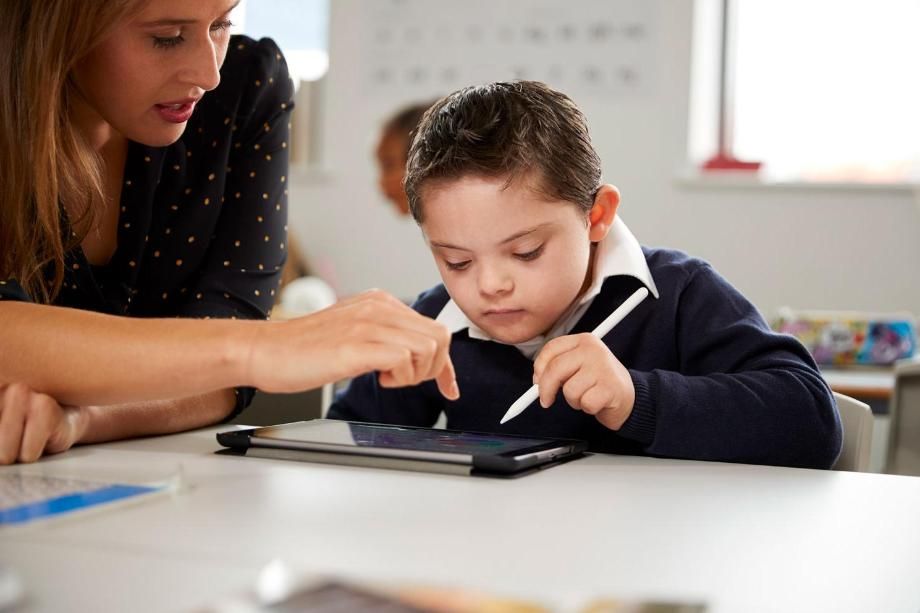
x=618, y=254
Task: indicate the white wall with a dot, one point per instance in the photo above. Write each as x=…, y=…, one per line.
x=817, y=248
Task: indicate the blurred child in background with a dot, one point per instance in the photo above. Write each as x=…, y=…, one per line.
x=392, y=152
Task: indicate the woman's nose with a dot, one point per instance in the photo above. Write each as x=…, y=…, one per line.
x=202, y=69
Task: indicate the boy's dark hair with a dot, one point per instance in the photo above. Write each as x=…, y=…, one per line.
x=404, y=122
x=506, y=130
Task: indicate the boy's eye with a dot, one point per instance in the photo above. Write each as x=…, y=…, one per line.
x=457, y=265
x=530, y=255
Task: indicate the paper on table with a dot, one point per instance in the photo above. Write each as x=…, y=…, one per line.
x=26, y=497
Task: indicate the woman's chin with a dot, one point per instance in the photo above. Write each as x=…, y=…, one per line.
x=160, y=138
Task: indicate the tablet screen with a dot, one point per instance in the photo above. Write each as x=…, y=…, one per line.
x=350, y=434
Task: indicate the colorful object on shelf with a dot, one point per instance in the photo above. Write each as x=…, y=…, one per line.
x=722, y=161
x=847, y=338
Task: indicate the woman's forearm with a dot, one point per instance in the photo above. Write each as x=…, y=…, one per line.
x=108, y=423
x=34, y=424
x=83, y=358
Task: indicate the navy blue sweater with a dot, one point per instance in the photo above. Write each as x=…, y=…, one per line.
x=713, y=382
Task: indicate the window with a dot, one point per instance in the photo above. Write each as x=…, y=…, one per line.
x=300, y=27
x=823, y=90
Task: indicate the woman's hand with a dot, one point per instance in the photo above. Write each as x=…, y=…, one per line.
x=591, y=378
x=372, y=331
x=32, y=424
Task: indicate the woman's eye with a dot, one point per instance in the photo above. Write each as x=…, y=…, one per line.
x=225, y=24
x=457, y=265
x=166, y=42
x=530, y=255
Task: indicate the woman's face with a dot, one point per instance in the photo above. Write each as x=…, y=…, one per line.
x=145, y=78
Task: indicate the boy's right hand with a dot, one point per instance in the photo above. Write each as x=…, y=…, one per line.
x=372, y=331
x=590, y=377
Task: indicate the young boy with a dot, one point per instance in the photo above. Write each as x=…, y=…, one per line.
x=505, y=185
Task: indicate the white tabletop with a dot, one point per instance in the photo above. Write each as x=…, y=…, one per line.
x=740, y=538
x=876, y=382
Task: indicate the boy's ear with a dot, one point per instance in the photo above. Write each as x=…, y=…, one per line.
x=603, y=212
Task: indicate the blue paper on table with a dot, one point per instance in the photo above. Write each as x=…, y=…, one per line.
x=25, y=498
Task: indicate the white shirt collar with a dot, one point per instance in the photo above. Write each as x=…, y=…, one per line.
x=618, y=254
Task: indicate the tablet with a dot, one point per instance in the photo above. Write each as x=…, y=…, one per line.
x=401, y=447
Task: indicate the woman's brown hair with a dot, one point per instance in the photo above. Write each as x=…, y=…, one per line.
x=46, y=166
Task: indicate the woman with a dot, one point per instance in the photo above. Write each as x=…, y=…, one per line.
x=143, y=156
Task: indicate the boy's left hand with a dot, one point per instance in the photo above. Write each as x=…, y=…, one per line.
x=591, y=378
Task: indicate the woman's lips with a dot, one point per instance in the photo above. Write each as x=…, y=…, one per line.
x=178, y=112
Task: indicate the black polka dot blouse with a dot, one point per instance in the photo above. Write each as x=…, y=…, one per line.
x=203, y=222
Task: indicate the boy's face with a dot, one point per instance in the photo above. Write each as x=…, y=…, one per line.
x=511, y=260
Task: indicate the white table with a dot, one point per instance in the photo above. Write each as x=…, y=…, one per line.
x=741, y=538
x=872, y=383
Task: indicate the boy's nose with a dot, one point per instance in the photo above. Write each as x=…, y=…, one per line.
x=494, y=281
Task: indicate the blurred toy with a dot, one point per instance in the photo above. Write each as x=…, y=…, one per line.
x=842, y=338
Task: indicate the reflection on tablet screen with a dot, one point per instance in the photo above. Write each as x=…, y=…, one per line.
x=393, y=437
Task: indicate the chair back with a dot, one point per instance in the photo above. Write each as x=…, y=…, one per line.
x=856, y=419
x=904, y=420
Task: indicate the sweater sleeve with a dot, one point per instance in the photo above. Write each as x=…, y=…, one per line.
x=742, y=394
x=12, y=291
x=242, y=270
x=366, y=400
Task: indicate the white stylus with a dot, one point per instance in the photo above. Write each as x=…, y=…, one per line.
x=602, y=328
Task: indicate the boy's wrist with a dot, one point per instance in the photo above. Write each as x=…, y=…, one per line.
x=614, y=416
x=641, y=424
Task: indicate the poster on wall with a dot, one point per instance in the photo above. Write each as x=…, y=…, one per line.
x=425, y=47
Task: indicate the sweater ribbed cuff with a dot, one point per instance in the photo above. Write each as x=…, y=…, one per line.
x=640, y=425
